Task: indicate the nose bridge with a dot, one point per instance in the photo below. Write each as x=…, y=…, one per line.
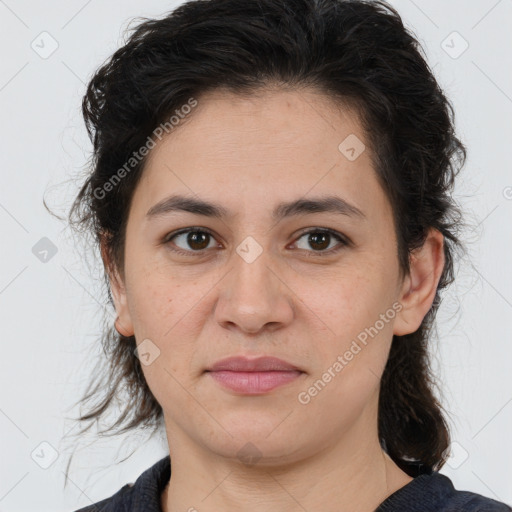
x=253, y=296
x=251, y=277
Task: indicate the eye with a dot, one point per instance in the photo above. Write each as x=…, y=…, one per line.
x=197, y=240
x=191, y=240
x=321, y=240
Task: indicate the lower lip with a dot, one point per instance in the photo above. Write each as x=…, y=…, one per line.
x=253, y=383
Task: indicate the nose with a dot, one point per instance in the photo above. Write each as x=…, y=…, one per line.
x=253, y=297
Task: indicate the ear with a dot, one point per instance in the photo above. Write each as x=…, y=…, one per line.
x=419, y=287
x=124, y=323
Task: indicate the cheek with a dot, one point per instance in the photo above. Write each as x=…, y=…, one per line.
x=170, y=311
x=151, y=302
x=154, y=292
x=359, y=312
x=347, y=301
x=156, y=306
x=160, y=309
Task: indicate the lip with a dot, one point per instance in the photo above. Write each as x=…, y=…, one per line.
x=253, y=376
x=258, y=364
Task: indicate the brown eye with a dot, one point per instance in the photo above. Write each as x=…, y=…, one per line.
x=191, y=240
x=322, y=241
x=197, y=239
x=319, y=241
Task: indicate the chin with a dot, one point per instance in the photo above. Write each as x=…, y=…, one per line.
x=257, y=443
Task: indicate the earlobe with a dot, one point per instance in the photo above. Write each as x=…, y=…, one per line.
x=420, y=286
x=123, y=323
x=121, y=329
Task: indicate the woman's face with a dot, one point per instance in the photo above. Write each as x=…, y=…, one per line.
x=259, y=279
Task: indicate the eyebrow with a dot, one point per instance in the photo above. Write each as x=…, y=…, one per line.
x=329, y=204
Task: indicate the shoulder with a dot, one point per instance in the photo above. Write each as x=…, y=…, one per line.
x=473, y=502
x=435, y=492
x=141, y=496
x=118, y=502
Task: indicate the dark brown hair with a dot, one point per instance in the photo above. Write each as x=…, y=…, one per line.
x=357, y=52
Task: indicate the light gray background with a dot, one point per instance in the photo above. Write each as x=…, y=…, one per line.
x=51, y=311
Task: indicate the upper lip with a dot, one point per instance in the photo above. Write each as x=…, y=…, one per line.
x=245, y=364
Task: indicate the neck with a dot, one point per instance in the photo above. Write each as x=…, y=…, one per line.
x=353, y=474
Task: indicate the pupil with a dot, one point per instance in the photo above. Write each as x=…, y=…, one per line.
x=196, y=239
x=314, y=239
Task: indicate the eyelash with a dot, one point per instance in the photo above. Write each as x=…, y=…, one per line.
x=343, y=241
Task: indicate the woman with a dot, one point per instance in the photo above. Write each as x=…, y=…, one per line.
x=270, y=194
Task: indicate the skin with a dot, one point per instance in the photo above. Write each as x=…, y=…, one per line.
x=249, y=154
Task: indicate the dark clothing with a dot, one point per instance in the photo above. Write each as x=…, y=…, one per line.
x=426, y=493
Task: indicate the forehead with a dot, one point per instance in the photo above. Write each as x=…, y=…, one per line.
x=278, y=144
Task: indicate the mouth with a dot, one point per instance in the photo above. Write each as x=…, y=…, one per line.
x=253, y=376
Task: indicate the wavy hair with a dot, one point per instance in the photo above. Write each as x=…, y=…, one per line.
x=355, y=51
